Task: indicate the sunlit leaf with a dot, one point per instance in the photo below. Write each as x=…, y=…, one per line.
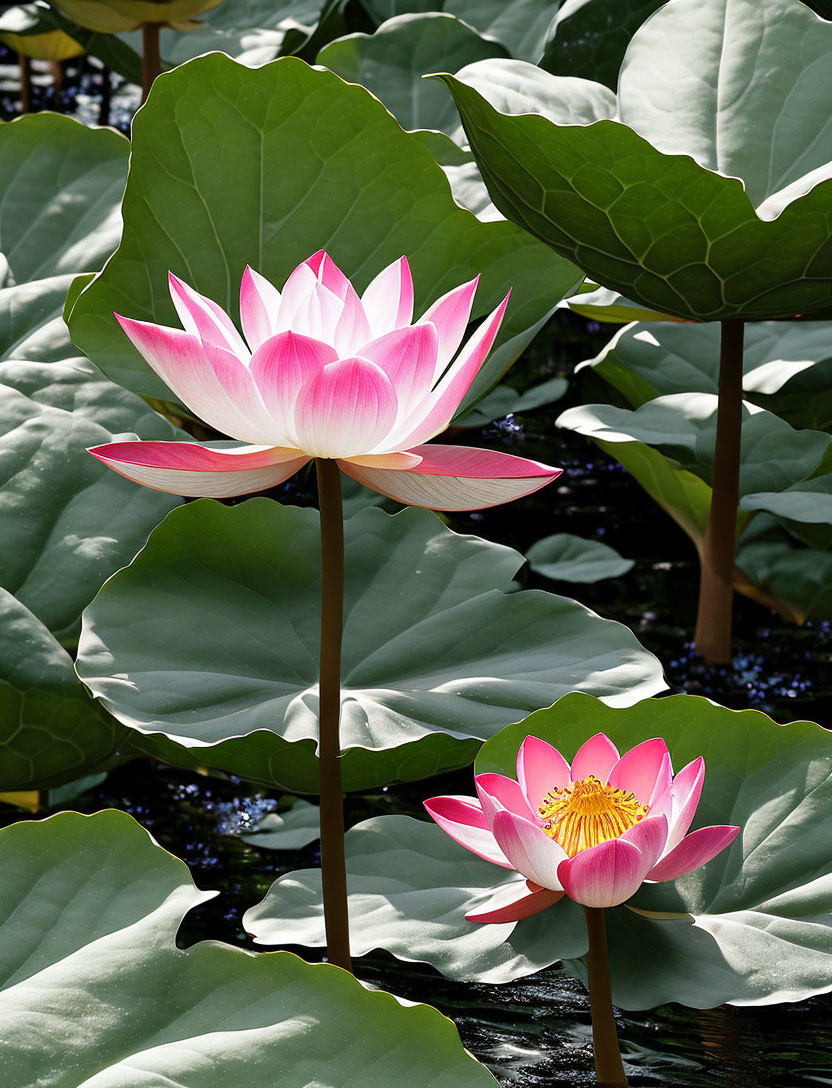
x=714, y=208
x=201, y=203
x=568, y=558
x=207, y=644
x=753, y=926
x=96, y=992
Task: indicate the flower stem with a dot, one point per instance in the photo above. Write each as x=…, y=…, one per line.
x=151, y=57
x=609, y=1070
x=716, y=585
x=333, y=864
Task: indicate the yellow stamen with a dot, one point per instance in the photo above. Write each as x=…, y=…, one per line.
x=586, y=813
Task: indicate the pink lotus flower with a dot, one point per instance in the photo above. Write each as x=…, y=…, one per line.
x=324, y=373
x=594, y=831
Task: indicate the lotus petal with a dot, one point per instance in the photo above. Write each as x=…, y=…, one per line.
x=463, y=819
x=514, y=902
x=456, y=478
x=184, y=468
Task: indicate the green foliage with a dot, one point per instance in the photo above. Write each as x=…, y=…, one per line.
x=521, y=26
x=200, y=202
x=290, y=830
x=787, y=365
x=753, y=926
x=392, y=61
x=61, y=184
x=94, y=990
x=716, y=208
x=50, y=729
x=568, y=558
x=207, y=645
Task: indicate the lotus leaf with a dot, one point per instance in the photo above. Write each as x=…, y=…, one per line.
x=115, y=16
x=715, y=208
x=521, y=26
x=207, y=645
x=50, y=730
x=61, y=183
x=95, y=991
x=568, y=558
x=787, y=365
x=392, y=61
x=66, y=520
x=200, y=202
x=754, y=926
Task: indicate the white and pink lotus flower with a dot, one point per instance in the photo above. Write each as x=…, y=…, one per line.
x=594, y=831
x=323, y=373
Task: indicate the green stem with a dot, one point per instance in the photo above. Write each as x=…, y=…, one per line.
x=333, y=863
x=151, y=57
x=716, y=585
x=609, y=1070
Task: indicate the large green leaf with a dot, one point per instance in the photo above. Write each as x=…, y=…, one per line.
x=753, y=926
x=717, y=207
x=207, y=644
x=667, y=445
x=61, y=183
x=794, y=579
x=392, y=61
x=774, y=455
x=410, y=886
x=50, y=730
x=96, y=993
x=31, y=321
x=787, y=365
x=520, y=25
x=589, y=37
x=66, y=520
x=202, y=201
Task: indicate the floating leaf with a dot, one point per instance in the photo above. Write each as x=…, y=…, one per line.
x=290, y=830
x=207, y=644
x=716, y=208
x=568, y=558
x=50, y=730
x=753, y=926
x=96, y=992
x=410, y=886
x=200, y=202
x=66, y=520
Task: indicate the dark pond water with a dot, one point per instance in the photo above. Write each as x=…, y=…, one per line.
x=535, y=1032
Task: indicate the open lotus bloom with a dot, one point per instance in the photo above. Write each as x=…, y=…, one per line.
x=594, y=831
x=321, y=372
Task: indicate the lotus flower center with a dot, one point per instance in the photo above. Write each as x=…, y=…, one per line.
x=586, y=813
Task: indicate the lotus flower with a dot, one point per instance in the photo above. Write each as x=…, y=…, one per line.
x=594, y=831
x=324, y=373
